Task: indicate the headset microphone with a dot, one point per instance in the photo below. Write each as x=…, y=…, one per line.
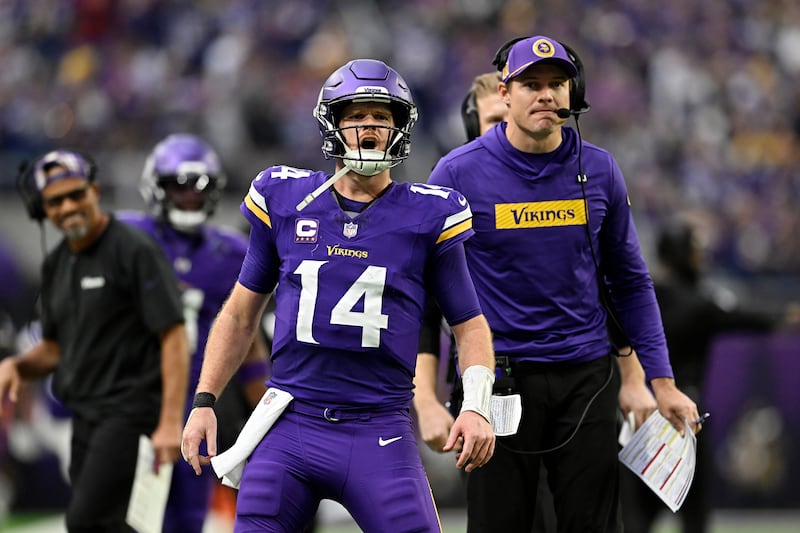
x=563, y=112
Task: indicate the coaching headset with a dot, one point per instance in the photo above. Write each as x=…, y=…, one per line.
x=30, y=193
x=577, y=88
x=469, y=116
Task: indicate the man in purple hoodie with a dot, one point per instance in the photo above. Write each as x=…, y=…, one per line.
x=554, y=235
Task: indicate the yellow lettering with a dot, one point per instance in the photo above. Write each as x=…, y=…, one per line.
x=540, y=214
x=337, y=250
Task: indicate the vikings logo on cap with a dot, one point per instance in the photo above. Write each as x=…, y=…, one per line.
x=72, y=164
x=543, y=48
x=527, y=52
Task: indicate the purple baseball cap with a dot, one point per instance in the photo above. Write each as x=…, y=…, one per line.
x=537, y=49
x=74, y=165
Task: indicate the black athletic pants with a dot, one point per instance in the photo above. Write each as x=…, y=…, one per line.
x=101, y=471
x=583, y=474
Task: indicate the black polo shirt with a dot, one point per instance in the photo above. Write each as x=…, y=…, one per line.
x=106, y=307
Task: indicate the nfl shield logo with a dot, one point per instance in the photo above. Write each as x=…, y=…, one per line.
x=350, y=229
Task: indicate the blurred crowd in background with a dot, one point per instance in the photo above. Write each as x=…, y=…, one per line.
x=699, y=101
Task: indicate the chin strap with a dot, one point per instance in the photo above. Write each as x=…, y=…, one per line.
x=364, y=162
x=310, y=197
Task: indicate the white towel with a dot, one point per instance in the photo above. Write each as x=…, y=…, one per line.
x=229, y=465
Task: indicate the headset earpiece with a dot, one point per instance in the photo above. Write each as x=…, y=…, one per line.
x=501, y=56
x=469, y=116
x=577, y=90
x=26, y=187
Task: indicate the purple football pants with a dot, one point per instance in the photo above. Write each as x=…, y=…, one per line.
x=369, y=464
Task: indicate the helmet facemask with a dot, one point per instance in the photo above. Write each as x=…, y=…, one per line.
x=182, y=182
x=365, y=80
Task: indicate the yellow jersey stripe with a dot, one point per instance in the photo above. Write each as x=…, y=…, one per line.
x=455, y=230
x=459, y=217
x=257, y=211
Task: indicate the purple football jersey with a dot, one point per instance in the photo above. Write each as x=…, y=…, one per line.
x=218, y=255
x=351, y=290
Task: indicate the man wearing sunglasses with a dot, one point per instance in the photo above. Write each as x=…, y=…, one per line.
x=113, y=336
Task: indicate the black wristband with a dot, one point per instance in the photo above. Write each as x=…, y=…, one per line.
x=203, y=399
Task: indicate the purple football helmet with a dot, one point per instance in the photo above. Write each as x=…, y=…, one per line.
x=182, y=181
x=365, y=80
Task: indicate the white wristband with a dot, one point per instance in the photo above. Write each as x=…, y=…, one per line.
x=477, y=381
